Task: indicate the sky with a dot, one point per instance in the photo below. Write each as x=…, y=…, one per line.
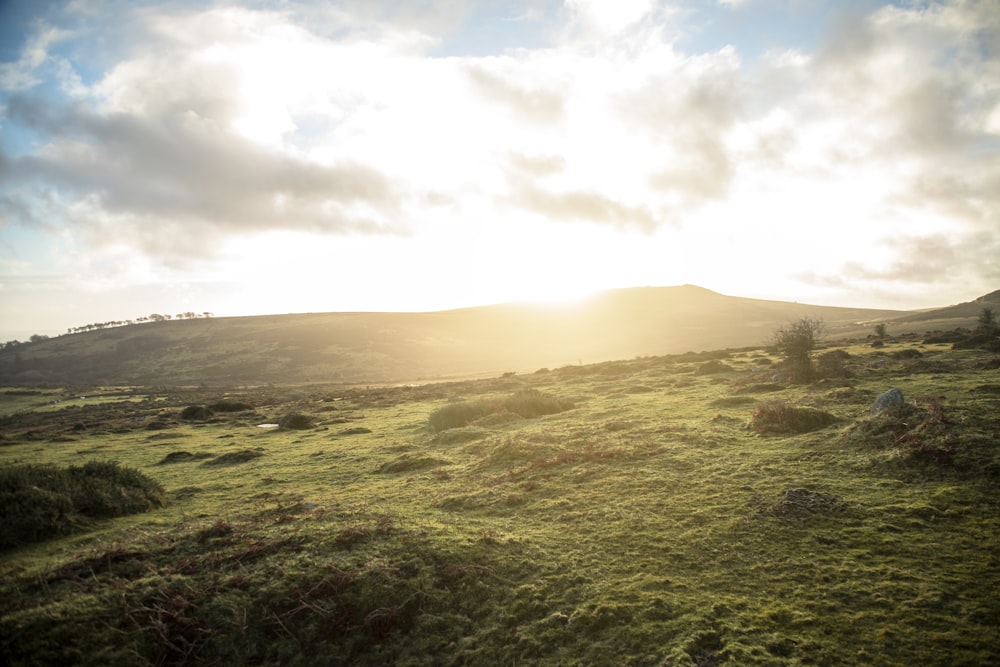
x=282, y=156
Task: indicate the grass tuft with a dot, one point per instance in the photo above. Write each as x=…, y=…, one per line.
x=234, y=458
x=528, y=404
x=779, y=417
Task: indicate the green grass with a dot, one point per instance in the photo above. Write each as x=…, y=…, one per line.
x=648, y=524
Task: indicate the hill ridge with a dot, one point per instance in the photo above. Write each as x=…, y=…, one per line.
x=379, y=347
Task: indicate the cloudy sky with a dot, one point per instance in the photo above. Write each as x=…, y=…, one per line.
x=295, y=156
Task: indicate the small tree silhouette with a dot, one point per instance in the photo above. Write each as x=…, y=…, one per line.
x=795, y=343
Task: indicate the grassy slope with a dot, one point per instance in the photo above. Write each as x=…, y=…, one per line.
x=381, y=347
x=645, y=526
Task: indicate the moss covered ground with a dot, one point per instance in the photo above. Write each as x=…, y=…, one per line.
x=646, y=521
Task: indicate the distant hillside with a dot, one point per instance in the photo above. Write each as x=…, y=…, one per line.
x=396, y=347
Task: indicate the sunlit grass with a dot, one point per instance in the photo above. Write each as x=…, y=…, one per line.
x=645, y=523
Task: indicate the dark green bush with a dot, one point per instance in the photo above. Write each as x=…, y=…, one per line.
x=39, y=501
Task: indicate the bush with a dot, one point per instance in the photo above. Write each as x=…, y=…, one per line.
x=831, y=364
x=776, y=417
x=978, y=342
x=947, y=337
x=40, y=501
x=795, y=344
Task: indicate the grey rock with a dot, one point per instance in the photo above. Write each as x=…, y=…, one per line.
x=887, y=400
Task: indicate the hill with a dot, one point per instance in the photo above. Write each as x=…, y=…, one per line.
x=396, y=347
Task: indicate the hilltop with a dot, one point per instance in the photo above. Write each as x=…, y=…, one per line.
x=401, y=347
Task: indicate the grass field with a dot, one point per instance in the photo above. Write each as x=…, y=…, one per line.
x=653, y=517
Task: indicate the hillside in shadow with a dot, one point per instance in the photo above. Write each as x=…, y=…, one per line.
x=402, y=347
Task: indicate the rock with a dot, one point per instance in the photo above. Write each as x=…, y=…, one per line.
x=888, y=400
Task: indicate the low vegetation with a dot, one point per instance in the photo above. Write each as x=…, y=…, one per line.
x=655, y=511
x=40, y=501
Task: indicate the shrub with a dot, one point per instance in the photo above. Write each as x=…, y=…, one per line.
x=40, y=501
x=196, y=413
x=795, y=343
x=947, y=337
x=980, y=341
x=775, y=417
x=831, y=364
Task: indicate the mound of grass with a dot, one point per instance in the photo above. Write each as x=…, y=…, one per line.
x=713, y=367
x=779, y=417
x=233, y=458
x=183, y=457
x=296, y=422
x=407, y=463
x=528, y=404
x=760, y=388
x=887, y=427
x=355, y=430
x=458, y=436
x=39, y=501
x=197, y=413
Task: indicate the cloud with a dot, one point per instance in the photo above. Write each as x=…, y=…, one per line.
x=533, y=104
x=939, y=261
x=179, y=128
x=183, y=167
x=584, y=206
